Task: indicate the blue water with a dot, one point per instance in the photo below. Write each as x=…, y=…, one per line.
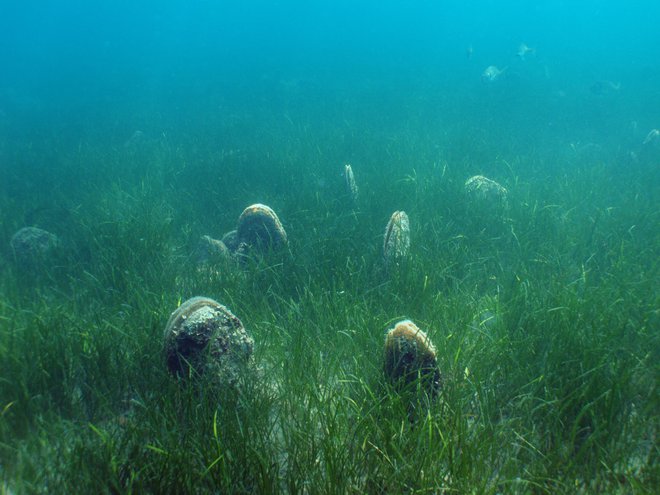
x=102, y=70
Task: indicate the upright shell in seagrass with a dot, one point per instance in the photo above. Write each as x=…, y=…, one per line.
x=203, y=337
x=396, y=243
x=351, y=185
x=486, y=191
x=259, y=227
x=410, y=356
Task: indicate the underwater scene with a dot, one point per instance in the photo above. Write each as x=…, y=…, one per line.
x=348, y=247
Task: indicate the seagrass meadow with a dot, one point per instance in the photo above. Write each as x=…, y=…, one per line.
x=351, y=247
x=544, y=314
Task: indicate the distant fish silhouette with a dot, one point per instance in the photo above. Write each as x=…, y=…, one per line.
x=601, y=88
x=469, y=51
x=523, y=50
x=652, y=136
x=135, y=138
x=492, y=73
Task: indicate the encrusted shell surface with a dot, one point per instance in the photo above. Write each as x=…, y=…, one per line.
x=210, y=250
x=409, y=354
x=203, y=336
x=32, y=244
x=259, y=226
x=396, y=244
x=484, y=189
x=230, y=239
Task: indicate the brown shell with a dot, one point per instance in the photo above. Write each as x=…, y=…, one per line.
x=259, y=226
x=409, y=354
x=202, y=335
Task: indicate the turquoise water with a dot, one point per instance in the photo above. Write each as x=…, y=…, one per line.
x=130, y=130
x=118, y=67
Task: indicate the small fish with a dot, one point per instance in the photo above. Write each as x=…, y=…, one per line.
x=652, y=136
x=492, y=73
x=469, y=51
x=523, y=50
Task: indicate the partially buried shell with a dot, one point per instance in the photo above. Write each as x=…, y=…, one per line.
x=202, y=336
x=211, y=250
x=230, y=239
x=396, y=244
x=259, y=226
x=32, y=245
x=410, y=355
x=486, y=190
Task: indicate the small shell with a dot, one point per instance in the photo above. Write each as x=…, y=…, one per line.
x=409, y=354
x=351, y=186
x=204, y=336
x=396, y=244
x=258, y=226
x=486, y=190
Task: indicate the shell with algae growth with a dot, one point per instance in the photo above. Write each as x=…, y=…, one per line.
x=486, y=190
x=396, y=244
x=230, y=239
x=210, y=250
x=32, y=245
x=202, y=336
x=409, y=355
x=259, y=226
